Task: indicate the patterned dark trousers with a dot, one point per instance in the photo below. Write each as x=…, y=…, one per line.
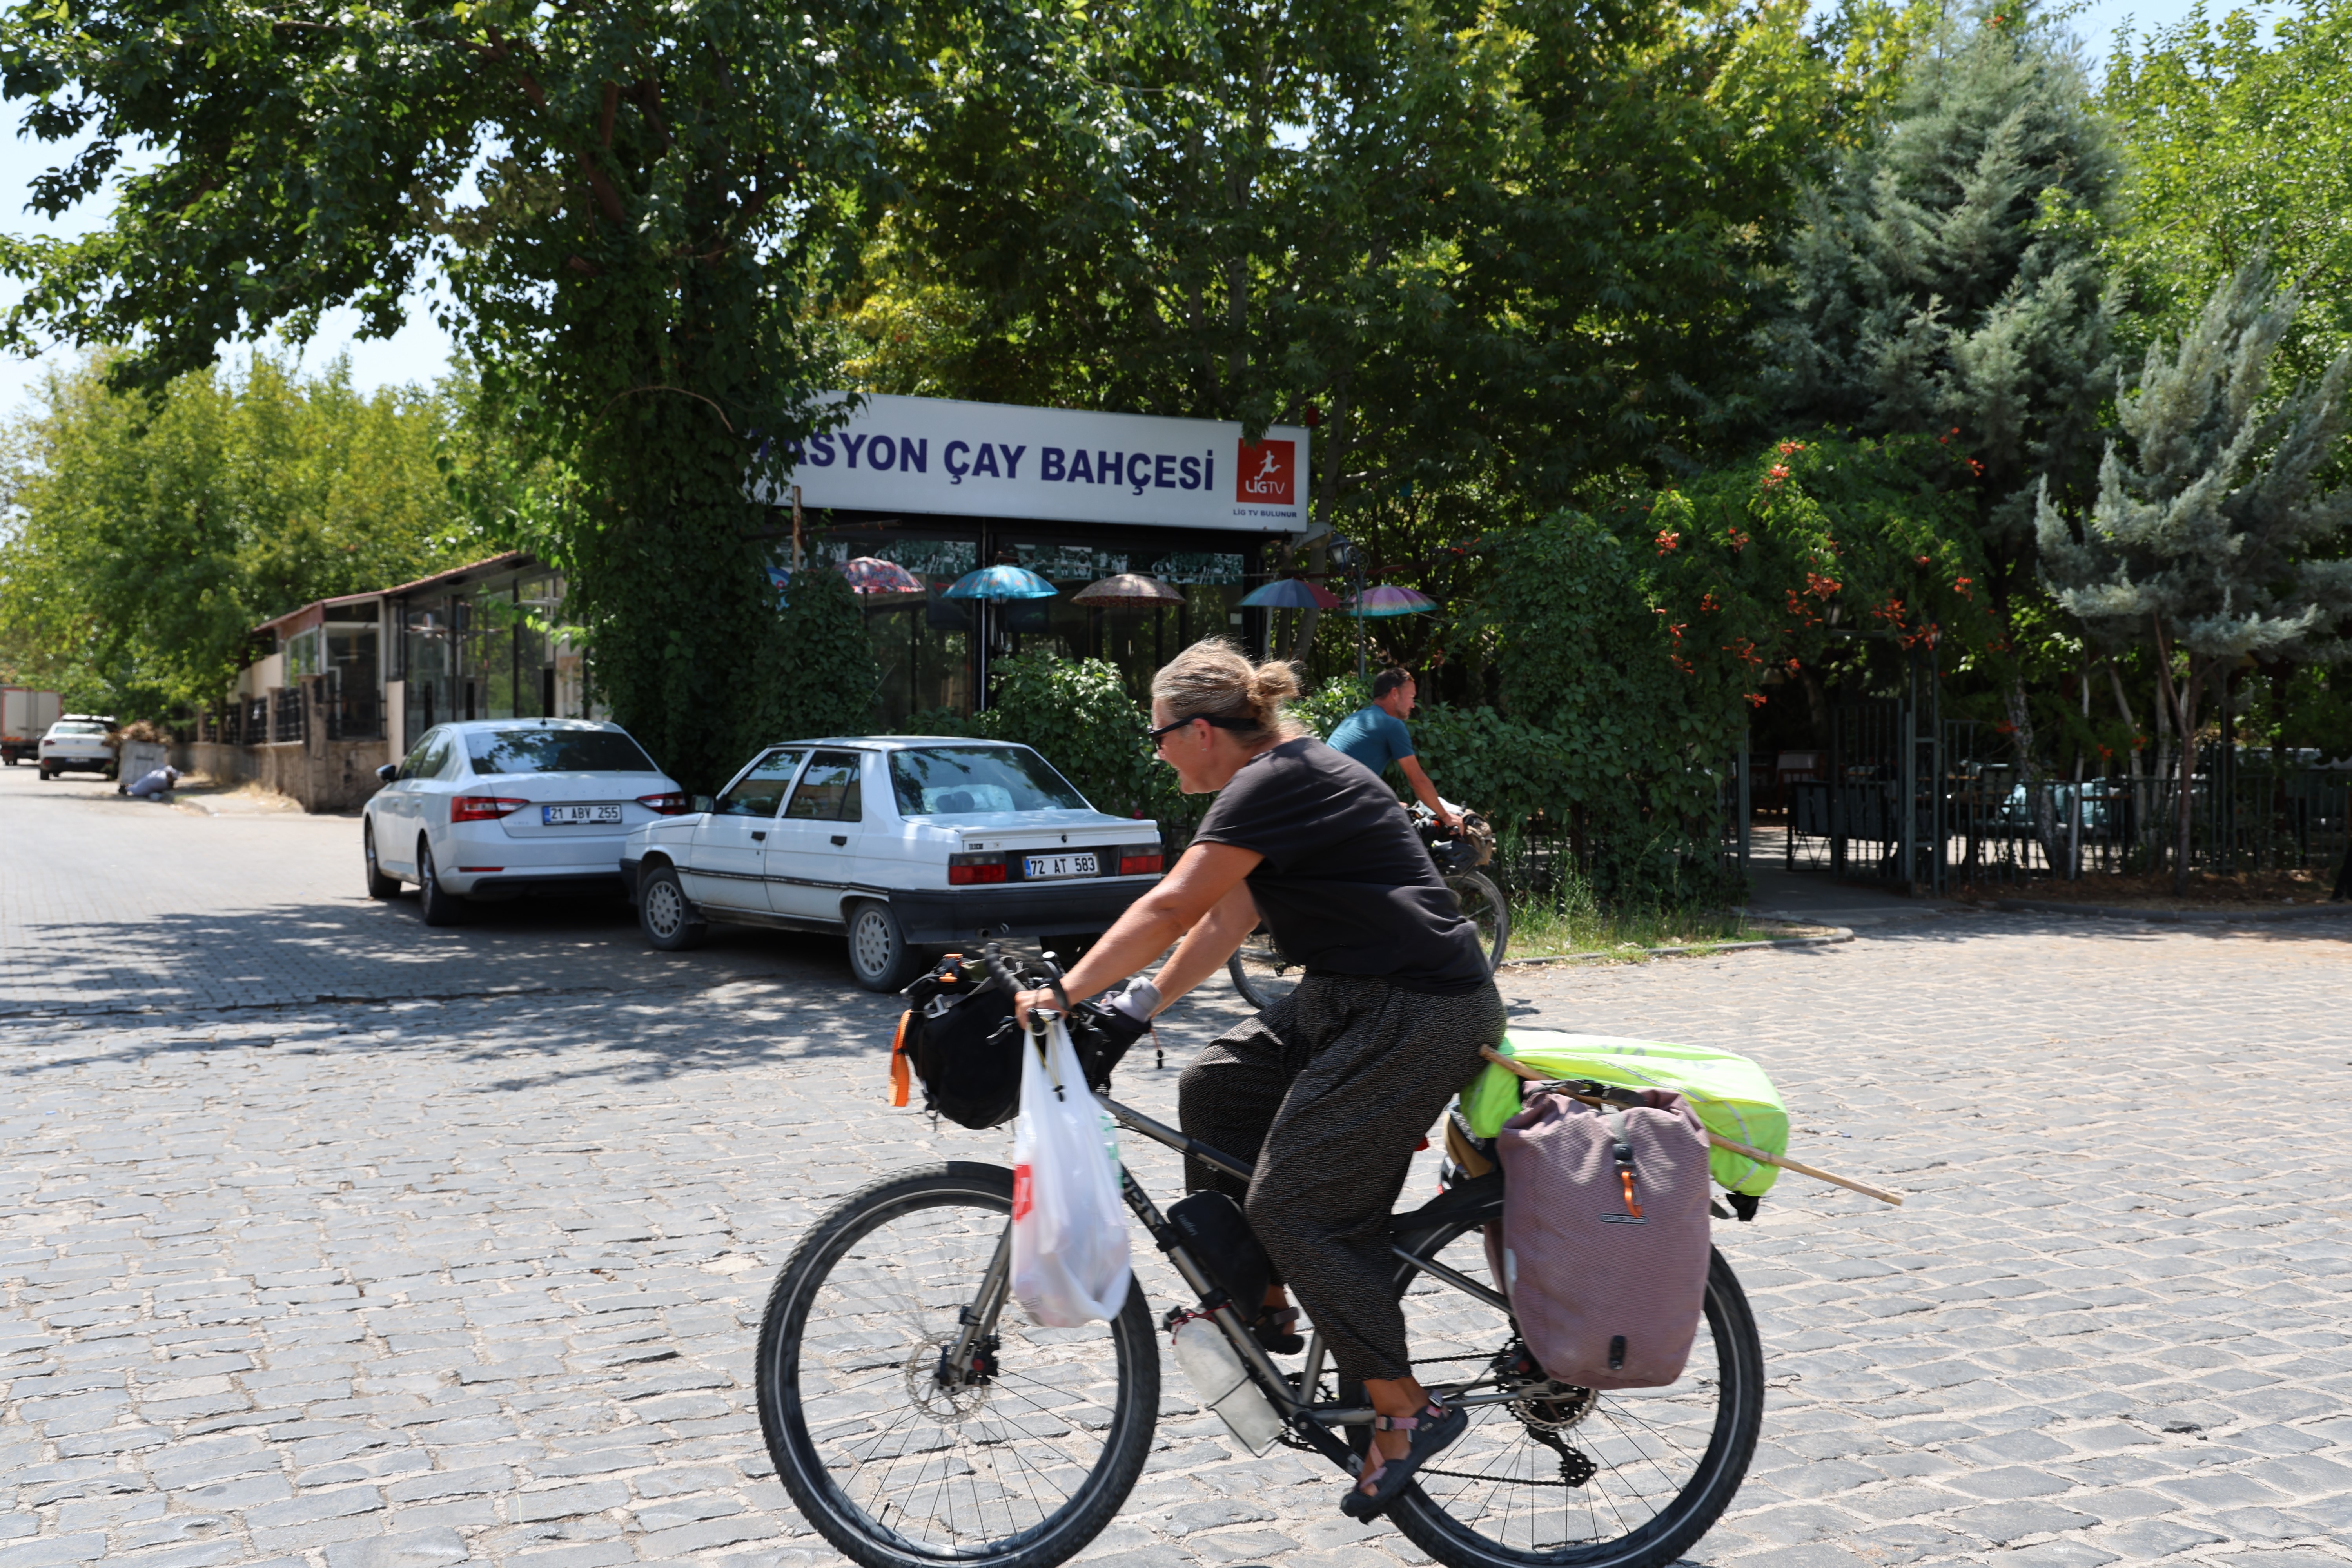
x=1328, y=1091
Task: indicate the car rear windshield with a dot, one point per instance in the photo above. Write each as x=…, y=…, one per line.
x=556, y=751
x=77, y=729
x=947, y=781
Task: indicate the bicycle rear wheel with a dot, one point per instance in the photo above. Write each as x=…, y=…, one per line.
x=1483, y=906
x=1567, y=1475
x=899, y=1468
x=1260, y=973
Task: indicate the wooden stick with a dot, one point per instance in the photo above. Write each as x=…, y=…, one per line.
x=1718, y=1139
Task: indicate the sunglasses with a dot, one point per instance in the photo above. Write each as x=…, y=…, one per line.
x=1156, y=736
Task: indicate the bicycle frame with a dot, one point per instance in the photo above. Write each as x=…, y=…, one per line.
x=1311, y=1421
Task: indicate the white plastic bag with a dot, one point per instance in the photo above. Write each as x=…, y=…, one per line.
x=1069, y=1229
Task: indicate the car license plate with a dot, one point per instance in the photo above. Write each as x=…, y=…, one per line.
x=577, y=815
x=1046, y=867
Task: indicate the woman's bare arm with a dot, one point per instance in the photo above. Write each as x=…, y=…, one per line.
x=1203, y=879
x=1207, y=945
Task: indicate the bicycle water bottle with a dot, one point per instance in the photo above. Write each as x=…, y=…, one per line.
x=1216, y=1375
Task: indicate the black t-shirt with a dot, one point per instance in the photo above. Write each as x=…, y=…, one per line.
x=1346, y=886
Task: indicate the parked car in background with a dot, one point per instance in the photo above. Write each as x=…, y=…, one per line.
x=26, y=716
x=78, y=742
x=500, y=808
x=906, y=845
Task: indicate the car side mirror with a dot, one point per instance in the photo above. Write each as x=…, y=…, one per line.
x=704, y=803
x=389, y=772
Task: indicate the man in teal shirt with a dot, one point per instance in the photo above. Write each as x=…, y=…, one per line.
x=1376, y=736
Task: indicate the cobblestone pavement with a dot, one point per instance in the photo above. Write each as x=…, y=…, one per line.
x=455, y=1275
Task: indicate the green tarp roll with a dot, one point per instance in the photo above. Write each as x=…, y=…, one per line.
x=1730, y=1093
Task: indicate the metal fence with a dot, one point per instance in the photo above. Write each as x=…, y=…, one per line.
x=2002, y=830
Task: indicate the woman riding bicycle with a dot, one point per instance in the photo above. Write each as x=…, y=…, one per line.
x=1328, y=1089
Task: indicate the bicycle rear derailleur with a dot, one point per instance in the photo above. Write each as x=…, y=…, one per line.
x=1547, y=1409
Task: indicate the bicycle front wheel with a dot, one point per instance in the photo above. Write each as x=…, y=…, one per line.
x=1482, y=905
x=900, y=1467
x=1566, y=1475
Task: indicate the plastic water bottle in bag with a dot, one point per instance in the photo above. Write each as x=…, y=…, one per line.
x=1224, y=1387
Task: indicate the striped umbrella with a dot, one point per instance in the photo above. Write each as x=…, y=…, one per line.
x=1000, y=582
x=1292, y=594
x=872, y=574
x=1387, y=599
x=1128, y=591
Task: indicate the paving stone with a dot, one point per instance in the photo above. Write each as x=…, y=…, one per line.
x=412, y=1549
x=493, y=1246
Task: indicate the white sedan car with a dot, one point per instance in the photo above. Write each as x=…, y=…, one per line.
x=77, y=741
x=906, y=844
x=496, y=808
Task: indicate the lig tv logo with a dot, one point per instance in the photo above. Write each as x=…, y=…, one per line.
x=1267, y=473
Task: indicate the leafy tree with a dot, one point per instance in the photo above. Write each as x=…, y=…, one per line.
x=1947, y=281
x=2210, y=536
x=651, y=180
x=2240, y=144
x=149, y=538
x=1635, y=639
x=1494, y=250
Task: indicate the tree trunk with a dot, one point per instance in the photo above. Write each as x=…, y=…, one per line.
x=2182, y=698
x=2132, y=767
x=1319, y=558
x=2029, y=773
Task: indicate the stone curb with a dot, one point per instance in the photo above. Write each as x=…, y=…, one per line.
x=1836, y=934
x=2170, y=916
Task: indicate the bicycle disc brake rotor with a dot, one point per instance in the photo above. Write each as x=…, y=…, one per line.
x=945, y=1399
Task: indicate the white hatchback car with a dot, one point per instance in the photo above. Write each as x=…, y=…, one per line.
x=497, y=808
x=77, y=741
x=904, y=844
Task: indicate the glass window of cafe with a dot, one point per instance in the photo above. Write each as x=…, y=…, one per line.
x=487, y=651
x=923, y=640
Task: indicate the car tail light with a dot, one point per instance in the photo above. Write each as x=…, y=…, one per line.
x=964, y=870
x=1139, y=860
x=482, y=807
x=668, y=804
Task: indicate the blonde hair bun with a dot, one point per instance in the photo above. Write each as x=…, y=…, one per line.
x=1212, y=679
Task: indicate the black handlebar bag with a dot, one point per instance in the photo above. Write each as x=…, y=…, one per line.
x=959, y=1039
x=962, y=1043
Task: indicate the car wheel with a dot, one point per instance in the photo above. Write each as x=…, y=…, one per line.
x=440, y=906
x=379, y=885
x=665, y=914
x=45, y=772
x=879, y=958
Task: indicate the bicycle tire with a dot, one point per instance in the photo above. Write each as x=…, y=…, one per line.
x=1260, y=973
x=1475, y=895
x=1024, y=1441
x=1728, y=1338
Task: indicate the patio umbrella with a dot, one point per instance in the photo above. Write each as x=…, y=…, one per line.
x=872, y=574
x=1292, y=594
x=1387, y=599
x=1128, y=591
x=1000, y=582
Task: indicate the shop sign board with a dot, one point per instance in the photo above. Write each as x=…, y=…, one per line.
x=997, y=459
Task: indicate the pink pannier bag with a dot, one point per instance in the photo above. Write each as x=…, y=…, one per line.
x=1604, y=1244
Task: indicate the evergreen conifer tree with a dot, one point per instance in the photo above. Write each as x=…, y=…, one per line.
x=1947, y=281
x=2203, y=541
